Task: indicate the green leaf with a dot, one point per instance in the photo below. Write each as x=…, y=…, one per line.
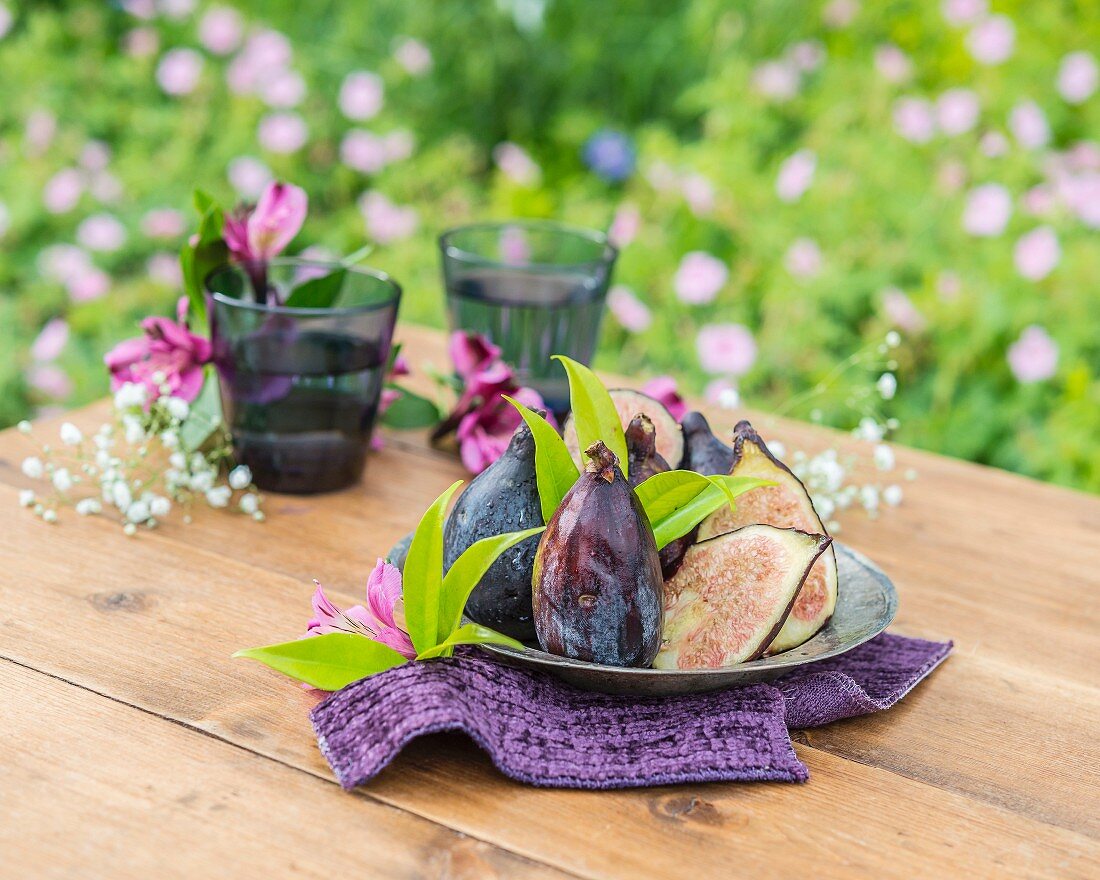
x=469, y=568
x=555, y=470
x=328, y=662
x=469, y=634
x=317, y=293
x=422, y=577
x=410, y=411
x=196, y=261
x=203, y=201
x=205, y=416
x=677, y=501
x=594, y=413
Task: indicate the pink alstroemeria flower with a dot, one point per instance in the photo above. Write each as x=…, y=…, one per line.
x=484, y=432
x=471, y=352
x=378, y=620
x=262, y=232
x=168, y=348
x=663, y=388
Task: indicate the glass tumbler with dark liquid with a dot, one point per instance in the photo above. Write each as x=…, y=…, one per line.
x=535, y=289
x=300, y=386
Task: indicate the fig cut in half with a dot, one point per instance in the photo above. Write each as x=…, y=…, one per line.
x=785, y=505
x=731, y=595
x=629, y=403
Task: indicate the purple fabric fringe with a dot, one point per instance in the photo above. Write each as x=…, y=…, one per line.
x=543, y=732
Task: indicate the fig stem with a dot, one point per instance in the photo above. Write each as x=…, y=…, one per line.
x=601, y=461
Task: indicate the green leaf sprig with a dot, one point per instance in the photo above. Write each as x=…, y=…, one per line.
x=209, y=251
x=433, y=612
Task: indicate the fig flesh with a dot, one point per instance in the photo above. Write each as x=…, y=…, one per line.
x=703, y=452
x=732, y=595
x=670, y=439
x=597, y=586
x=502, y=498
x=786, y=505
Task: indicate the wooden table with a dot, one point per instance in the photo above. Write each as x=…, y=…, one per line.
x=131, y=745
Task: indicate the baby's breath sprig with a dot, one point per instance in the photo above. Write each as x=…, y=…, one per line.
x=135, y=468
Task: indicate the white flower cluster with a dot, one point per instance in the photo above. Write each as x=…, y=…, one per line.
x=124, y=463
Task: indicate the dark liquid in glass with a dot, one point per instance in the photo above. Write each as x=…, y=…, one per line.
x=301, y=407
x=531, y=318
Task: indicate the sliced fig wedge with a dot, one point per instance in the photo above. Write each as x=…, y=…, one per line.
x=785, y=505
x=629, y=403
x=732, y=594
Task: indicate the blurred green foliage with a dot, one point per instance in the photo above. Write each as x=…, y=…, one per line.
x=547, y=74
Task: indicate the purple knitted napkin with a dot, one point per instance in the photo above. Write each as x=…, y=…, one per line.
x=541, y=731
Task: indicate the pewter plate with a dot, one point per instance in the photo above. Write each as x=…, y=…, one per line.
x=866, y=603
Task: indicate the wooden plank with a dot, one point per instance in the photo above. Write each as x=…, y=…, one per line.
x=156, y=629
x=95, y=788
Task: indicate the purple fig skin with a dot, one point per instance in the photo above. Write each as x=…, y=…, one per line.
x=597, y=589
x=643, y=459
x=703, y=452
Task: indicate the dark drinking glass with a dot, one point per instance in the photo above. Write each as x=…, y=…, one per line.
x=535, y=289
x=300, y=386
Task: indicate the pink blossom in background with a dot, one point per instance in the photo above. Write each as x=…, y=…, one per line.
x=988, y=208
x=6, y=20
x=282, y=132
x=141, y=42
x=993, y=144
x=777, y=80
x=1078, y=77
x=664, y=389
x=62, y=262
x=143, y=9
x=101, y=232
x=699, y=277
x=698, y=193
x=1037, y=253
x=398, y=145
x=992, y=40
x=662, y=176
x=264, y=231
x=726, y=348
x=514, y=247
x=625, y=224
x=249, y=176
x=39, y=131
x=363, y=151
x=179, y=70
x=839, y=13
x=164, y=268
x=796, y=173
x=413, y=56
x=105, y=187
x=803, y=258
x=901, y=312
x=722, y=392
x=95, y=156
x=176, y=10
x=892, y=64
x=957, y=111
x=50, y=380
x=286, y=88
x=1034, y=356
x=960, y=12
x=1085, y=199
x=951, y=175
x=915, y=119
x=221, y=30
x=242, y=76
x=269, y=50
x=516, y=164
x=1029, y=126
x=807, y=55
x=304, y=273
x=631, y=313
x=163, y=223
x=948, y=286
x=361, y=95
x=385, y=221
x=89, y=285
x=167, y=347
x=1084, y=156
x=51, y=340
x=63, y=191
x=1039, y=201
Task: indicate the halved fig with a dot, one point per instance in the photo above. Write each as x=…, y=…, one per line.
x=703, y=452
x=786, y=505
x=732, y=594
x=629, y=403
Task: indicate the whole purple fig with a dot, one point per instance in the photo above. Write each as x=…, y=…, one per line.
x=643, y=459
x=597, y=590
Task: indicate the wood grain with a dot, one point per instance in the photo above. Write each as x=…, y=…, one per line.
x=989, y=767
